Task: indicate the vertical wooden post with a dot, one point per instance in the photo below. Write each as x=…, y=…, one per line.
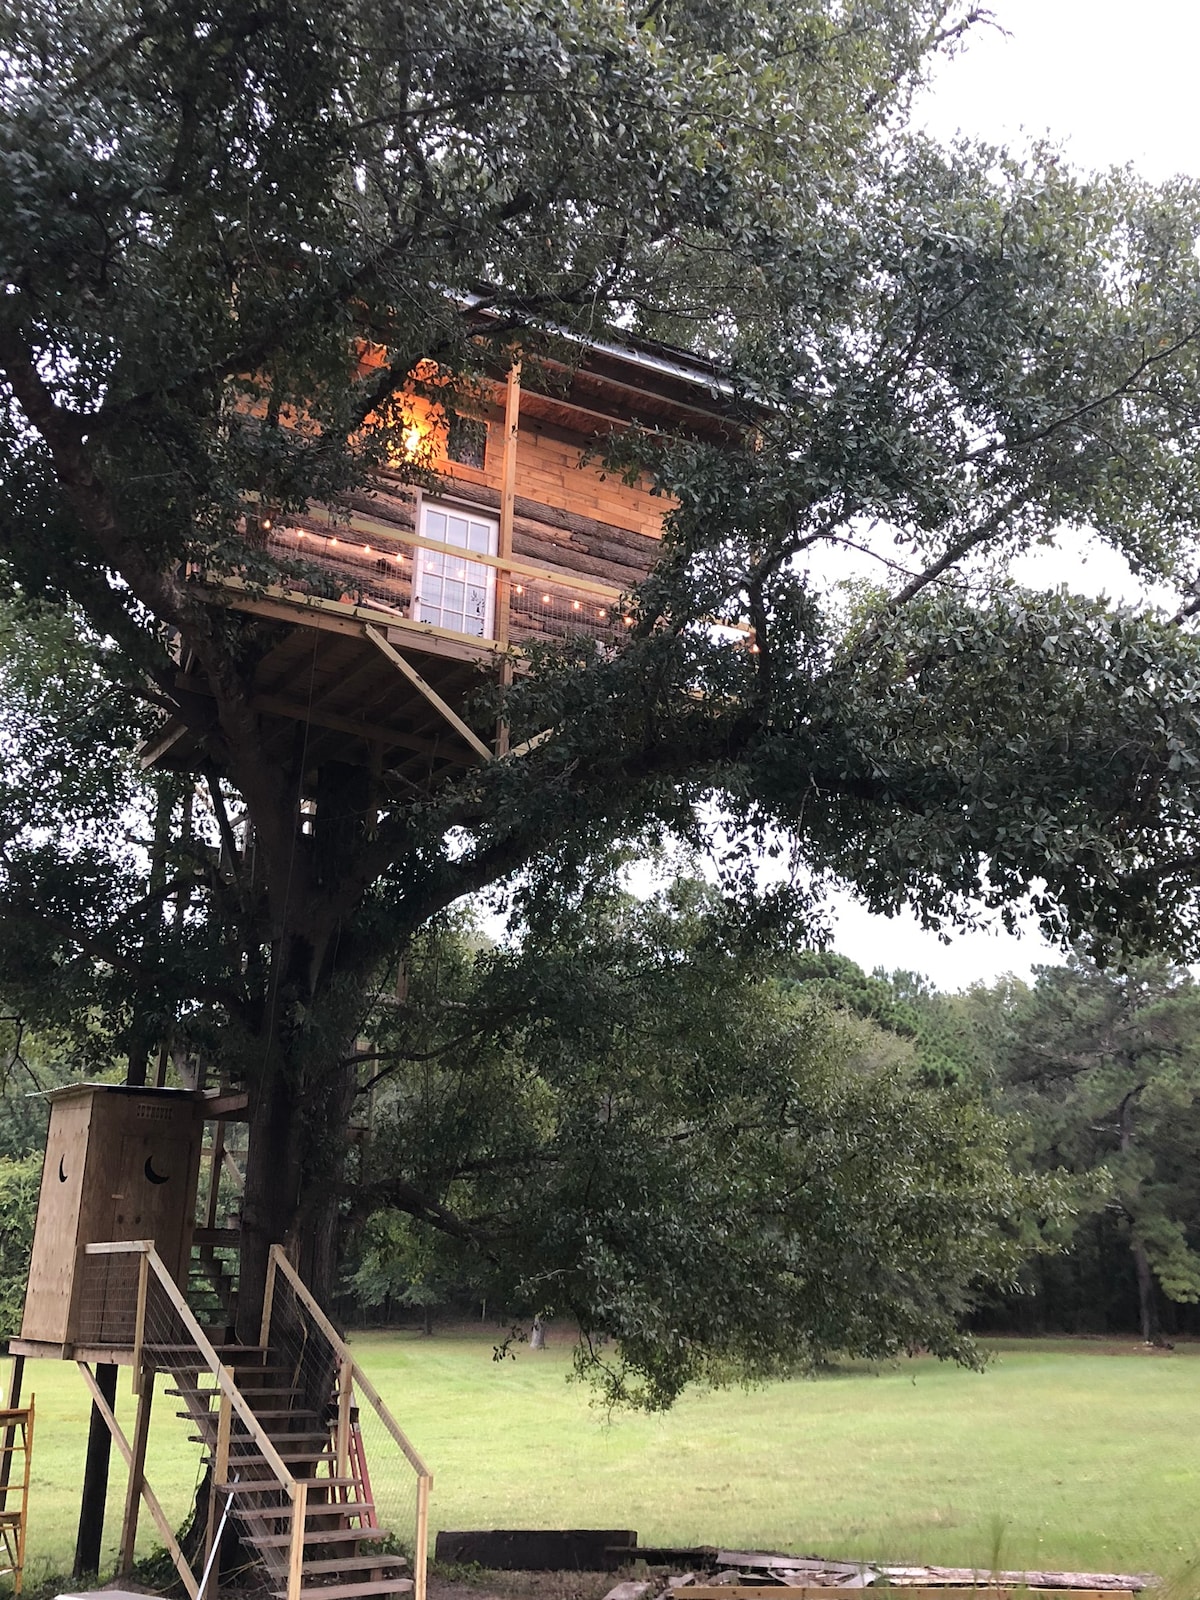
x=214, y=1182
x=345, y=1401
x=508, y=495
x=296, y=1549
x=264, y=1328
x=95, y=1476
x=137, y=1467
x=220, y=1475
x=421, y=1554
x=139, y=1323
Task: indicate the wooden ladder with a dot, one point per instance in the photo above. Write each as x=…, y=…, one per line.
x=16, y=1445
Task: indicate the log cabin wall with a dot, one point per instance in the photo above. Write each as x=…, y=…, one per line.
x=591, y=536
x=391, y=616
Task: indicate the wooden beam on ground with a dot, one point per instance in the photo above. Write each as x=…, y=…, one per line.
x=161, y=1521
x=435, y=700
x=985, y=1587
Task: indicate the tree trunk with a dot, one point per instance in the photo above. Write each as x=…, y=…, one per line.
x=1147, y=1299
x=537, y=1334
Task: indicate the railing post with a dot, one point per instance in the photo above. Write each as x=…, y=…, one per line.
x=421, y=1553
x=139, y=1320
x=264, y=1330
x=345, y=1403
x=220, y=1475
x=296, y=1548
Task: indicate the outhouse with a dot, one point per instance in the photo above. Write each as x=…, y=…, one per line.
x=121, y=1163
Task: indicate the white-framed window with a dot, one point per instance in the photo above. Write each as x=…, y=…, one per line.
x=451, y=591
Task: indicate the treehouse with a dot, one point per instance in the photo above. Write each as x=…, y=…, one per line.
x=406, y=602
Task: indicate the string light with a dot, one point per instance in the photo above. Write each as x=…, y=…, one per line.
x=575, y=604
x=334, y=540
x=602, y=614
x=520, y=588
x=366, y=549
x=545, y=599
x=300, y=533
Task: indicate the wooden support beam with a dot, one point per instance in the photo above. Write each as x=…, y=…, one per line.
x=161, y=1520
x=430, y=693
x=508, y=500
x=137, y=1469
x=295, y=711
x=527, y=745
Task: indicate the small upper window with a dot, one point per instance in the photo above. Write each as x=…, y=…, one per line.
x=466, y=441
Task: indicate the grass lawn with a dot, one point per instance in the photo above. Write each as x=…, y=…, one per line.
x=1064, y=1453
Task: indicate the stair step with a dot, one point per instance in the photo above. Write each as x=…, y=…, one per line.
x=288, y=1446
x=321, y=1536
x=342, y=1591
x=263, y=1485
x=339, y=1508
x=348, y=1564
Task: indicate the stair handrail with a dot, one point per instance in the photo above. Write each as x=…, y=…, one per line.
x=296, y=1491
x=145, y=1247
x=277, y=1262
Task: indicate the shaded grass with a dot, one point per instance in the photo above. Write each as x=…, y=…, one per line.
x=1073, y=1454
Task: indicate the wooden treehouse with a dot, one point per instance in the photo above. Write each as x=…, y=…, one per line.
x=134, y=1264
x=418, y=599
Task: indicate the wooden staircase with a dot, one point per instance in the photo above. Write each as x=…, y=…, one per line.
x=344, y=1551
x=281, y=1428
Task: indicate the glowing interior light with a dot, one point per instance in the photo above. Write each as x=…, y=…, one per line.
x=266, y=524
x=629, y=622
x=300, y=534
x=366, y=549
x=412, y=440
x=334, y=540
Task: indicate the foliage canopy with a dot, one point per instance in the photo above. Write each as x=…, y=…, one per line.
x=943, y=354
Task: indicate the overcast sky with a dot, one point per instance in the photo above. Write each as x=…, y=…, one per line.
x=1114, y=83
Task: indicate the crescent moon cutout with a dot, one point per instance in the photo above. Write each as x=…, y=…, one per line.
x=153, y=1176
x=62, y=1177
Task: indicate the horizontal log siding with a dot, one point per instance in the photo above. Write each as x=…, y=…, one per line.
x=549, y=473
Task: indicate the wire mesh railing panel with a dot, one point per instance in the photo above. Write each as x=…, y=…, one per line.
x=384, y=1484
x=347, y=569
x=107, y=1300
x=381, y=576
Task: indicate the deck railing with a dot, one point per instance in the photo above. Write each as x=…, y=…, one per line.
x=395, y=575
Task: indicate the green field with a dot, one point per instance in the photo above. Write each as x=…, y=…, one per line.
x=1063, y=1453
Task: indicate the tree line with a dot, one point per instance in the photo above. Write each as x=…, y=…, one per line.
x=622, y=1106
